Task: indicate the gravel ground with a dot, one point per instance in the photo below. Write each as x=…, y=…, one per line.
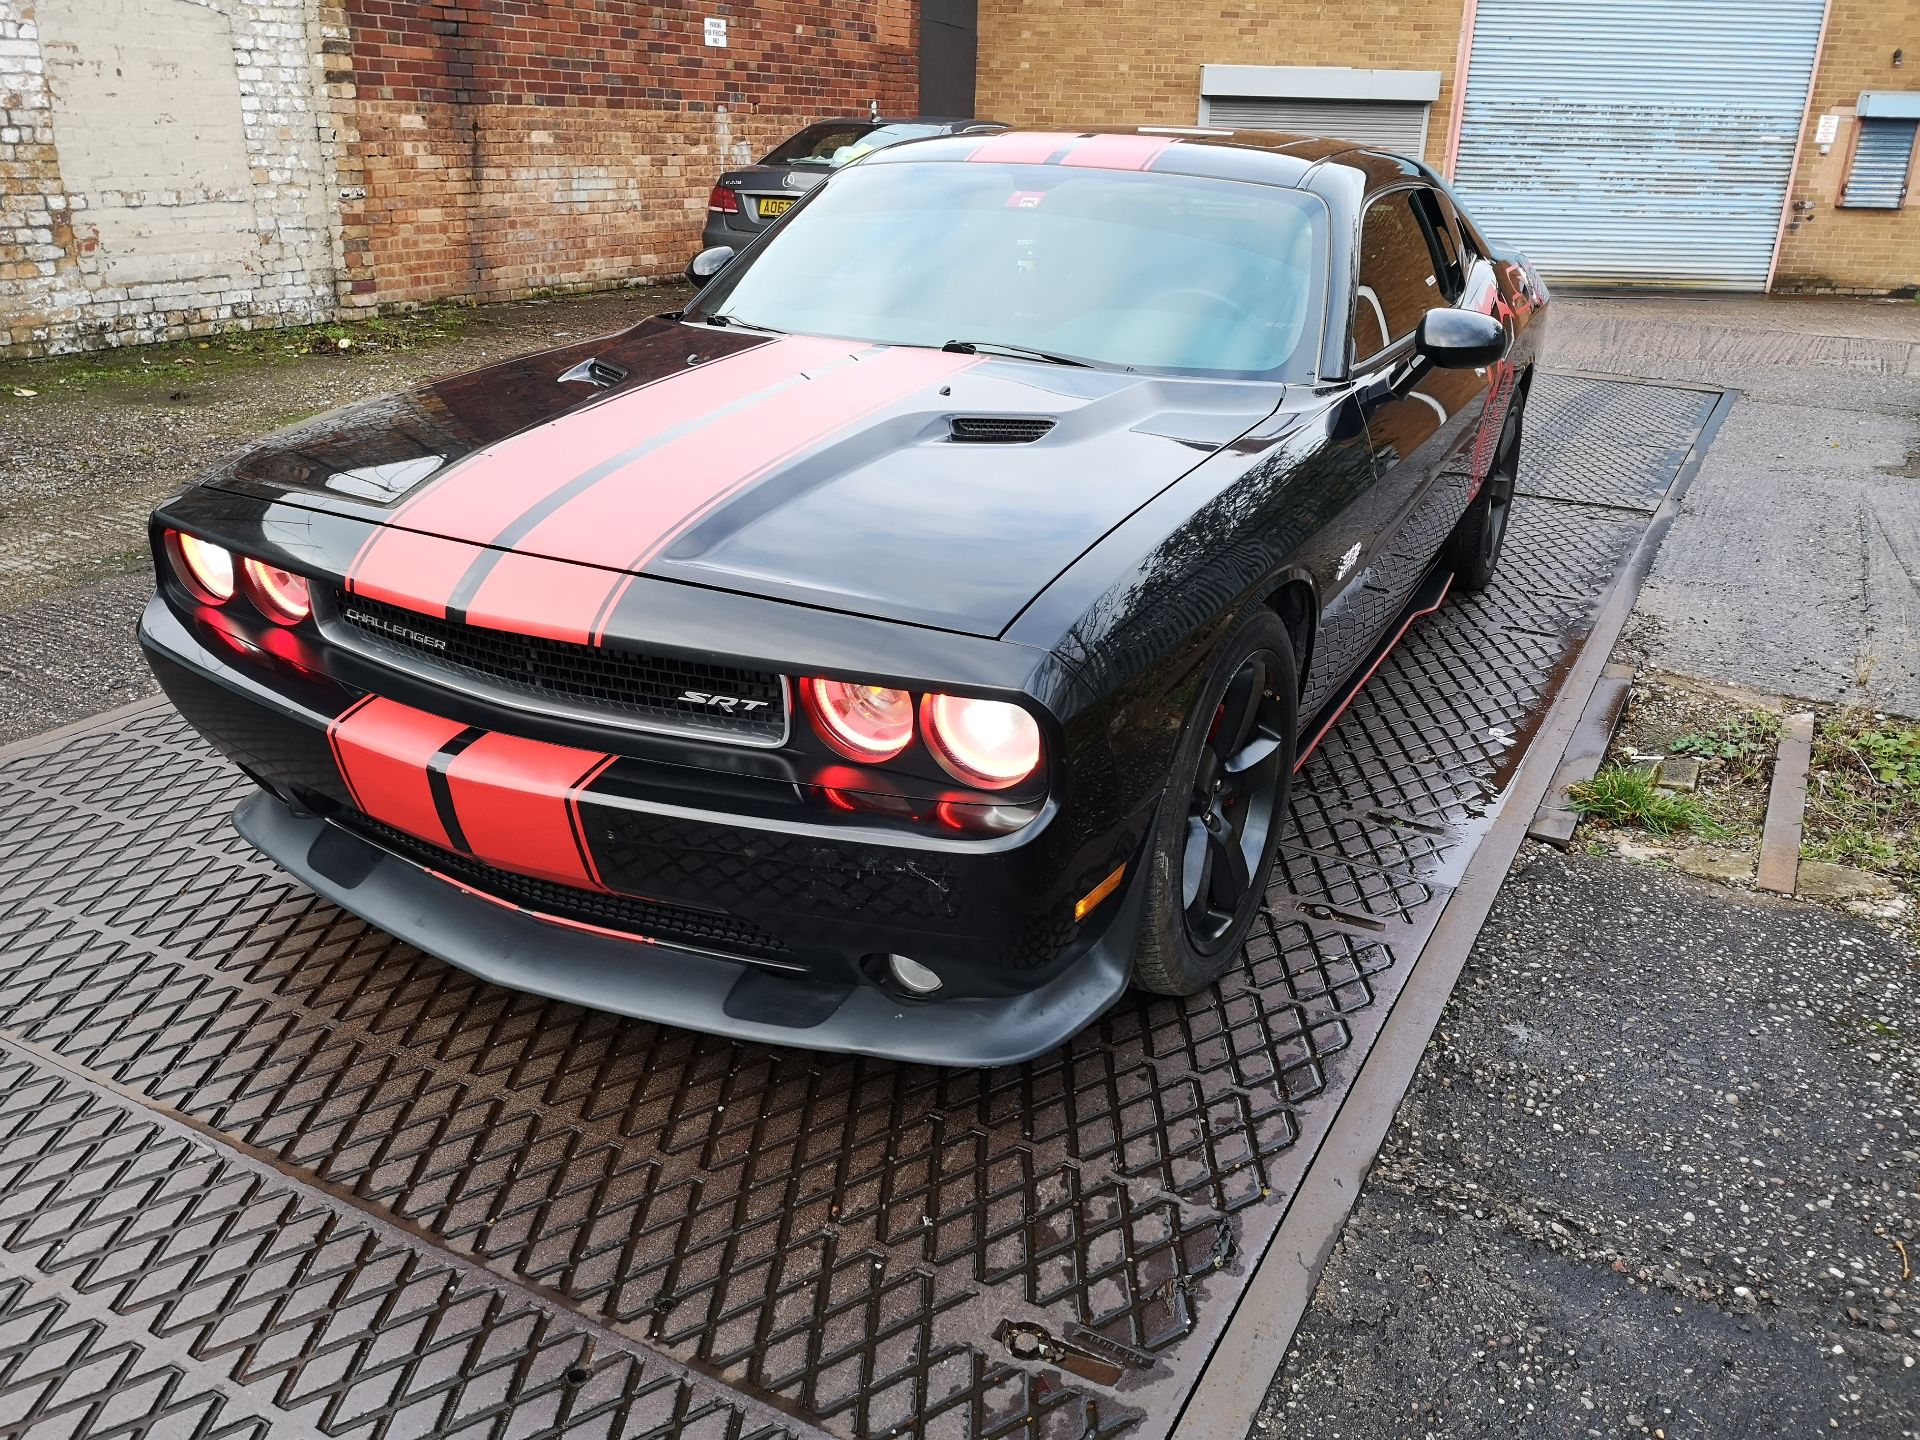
x=1649, y=1179
x=81, y=465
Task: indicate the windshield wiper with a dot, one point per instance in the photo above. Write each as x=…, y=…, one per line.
x=1022, y=352
x=724, y=320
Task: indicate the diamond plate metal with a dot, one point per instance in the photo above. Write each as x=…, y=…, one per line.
x=261, y=1165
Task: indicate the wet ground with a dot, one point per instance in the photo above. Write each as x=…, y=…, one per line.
x=1653, y=1172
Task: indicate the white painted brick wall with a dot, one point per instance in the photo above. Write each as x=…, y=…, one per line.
x=166, y=170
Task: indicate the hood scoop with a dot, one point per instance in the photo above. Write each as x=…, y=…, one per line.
x=998, y=429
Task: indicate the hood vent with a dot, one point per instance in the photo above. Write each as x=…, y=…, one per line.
x=999, y=429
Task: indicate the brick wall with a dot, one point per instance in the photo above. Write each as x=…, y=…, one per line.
x=1091, y=62
x=497, y=148
x=1827, y=247
x=162, y=171
x=172, y=167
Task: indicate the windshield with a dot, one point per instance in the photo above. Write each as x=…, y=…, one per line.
x=1120, y=268
x=833, y=143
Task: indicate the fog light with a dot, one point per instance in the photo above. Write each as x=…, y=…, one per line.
x=911, y=976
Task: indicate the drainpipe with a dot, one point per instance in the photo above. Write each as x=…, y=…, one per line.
x=1461, y=61
x=1799, y=144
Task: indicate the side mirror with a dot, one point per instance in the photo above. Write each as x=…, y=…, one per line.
x=1460, y=339
x=708, y=263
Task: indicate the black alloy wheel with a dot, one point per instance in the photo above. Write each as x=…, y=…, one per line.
x=1221, y=812
x=1230, y=809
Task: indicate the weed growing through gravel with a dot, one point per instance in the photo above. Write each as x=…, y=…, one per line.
x=1744, y=743
x=1627, y=795
x=1863, y=794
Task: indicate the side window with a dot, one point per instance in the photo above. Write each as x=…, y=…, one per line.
x=1398, y=275
x=1446, y=249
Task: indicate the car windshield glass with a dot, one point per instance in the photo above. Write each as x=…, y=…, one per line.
x=834, y=143
x=1121, y=268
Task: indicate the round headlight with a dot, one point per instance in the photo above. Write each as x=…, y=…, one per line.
x=987, y=743
x=281, y=595
x=204, y=568
x=861, y=722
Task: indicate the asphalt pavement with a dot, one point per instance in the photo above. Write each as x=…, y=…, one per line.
x=1657, y=1175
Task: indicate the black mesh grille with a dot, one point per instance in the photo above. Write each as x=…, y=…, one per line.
x=674, y=924
x=621, y=684
x=999, y=429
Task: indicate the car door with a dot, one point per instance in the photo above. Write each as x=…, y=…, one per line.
x=1416, y=417
x=1421, y=420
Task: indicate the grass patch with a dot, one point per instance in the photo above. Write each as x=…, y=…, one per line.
x=1863, y=794
x=165, y=366
x=1627, y=795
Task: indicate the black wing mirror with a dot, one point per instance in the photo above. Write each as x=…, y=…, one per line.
x=708, y=263
x=1460, y=339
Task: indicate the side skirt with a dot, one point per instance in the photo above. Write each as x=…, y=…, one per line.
x=1426, y=598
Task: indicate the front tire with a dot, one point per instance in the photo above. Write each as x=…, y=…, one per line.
x=1221, y=813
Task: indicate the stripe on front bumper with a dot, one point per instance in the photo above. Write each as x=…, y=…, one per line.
x=510, y=802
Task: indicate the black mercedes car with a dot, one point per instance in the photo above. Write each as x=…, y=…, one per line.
x=745, y=201
x=907, y=646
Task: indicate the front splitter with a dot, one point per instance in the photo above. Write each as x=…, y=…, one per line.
x=268, y=1169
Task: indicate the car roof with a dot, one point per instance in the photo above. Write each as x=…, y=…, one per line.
x=1260, y=156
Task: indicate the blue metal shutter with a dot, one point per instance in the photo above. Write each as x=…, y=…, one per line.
x=1882, y=156
x=1643, y=141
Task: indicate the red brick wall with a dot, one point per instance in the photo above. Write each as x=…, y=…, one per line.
x=495, y=147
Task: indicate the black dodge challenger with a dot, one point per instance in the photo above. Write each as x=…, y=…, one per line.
x=908, y=645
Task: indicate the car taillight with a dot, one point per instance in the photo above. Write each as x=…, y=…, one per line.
x=862, y=722
x=204, y=568
x=988, y=743
x=281, y=595
x=723, y=200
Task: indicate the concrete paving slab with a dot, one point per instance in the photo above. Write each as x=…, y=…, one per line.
x=1793, y=567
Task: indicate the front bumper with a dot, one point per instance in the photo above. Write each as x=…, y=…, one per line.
x=985, y=914
x=674, y=986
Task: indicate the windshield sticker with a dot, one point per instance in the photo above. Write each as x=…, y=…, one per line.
x=1025, y=199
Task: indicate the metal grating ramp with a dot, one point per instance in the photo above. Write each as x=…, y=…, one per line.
x=263, y=1169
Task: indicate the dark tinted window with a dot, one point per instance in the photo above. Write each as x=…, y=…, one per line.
x=1398, y=283
x=1441, y=238
x=834, y=143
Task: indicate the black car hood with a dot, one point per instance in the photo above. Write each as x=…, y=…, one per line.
x=826, y=473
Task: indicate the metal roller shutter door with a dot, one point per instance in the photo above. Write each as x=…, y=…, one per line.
x=1397, y=125
x=1640, y=142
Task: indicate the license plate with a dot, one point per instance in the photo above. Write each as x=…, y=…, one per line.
x=772, y=205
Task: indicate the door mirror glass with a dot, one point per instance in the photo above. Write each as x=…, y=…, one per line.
x=1461, y=339
x=708, y=263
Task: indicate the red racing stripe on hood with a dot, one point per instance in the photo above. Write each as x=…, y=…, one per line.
x=635, y=512
x=480, y=498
